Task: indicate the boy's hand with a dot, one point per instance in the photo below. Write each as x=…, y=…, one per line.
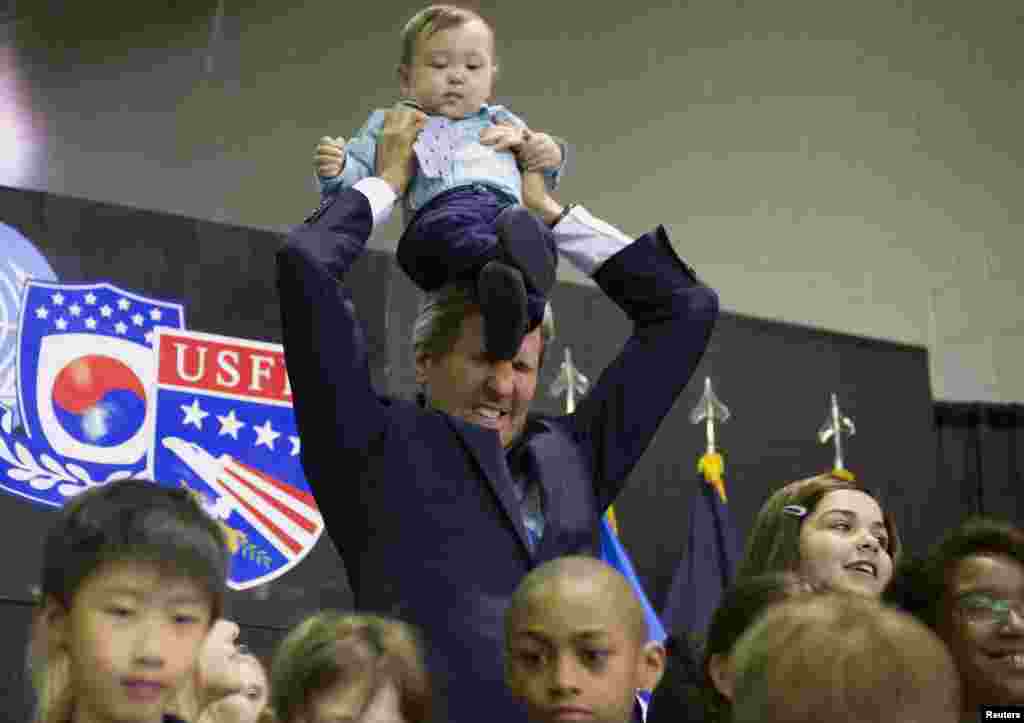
x=329, y=157
x=539, y=152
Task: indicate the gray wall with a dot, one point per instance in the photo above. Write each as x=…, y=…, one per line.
x=855, y=166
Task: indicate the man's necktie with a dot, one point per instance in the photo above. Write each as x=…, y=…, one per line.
x=528, y=490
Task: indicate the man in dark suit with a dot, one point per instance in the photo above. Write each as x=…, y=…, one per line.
x=440, y=508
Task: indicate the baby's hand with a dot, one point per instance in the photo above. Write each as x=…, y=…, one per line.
x=539, y=152
x=329, y=157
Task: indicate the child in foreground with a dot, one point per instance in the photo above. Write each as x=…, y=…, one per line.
x=464, y=213
x=134, y=574
x=842, y=658
x=577, y=643
x=355, y=667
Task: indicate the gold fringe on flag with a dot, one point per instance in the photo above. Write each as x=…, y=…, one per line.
x=712, y=466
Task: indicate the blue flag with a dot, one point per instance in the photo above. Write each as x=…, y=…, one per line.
x=615, y=555
x=709, y=563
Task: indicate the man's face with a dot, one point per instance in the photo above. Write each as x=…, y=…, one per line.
x=468, y=383
x=452, y=71
x=989, y=652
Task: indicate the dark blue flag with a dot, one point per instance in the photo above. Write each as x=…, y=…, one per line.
x=709, y=562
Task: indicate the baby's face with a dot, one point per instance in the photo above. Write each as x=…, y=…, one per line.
x=571, y=657
x=452, y=71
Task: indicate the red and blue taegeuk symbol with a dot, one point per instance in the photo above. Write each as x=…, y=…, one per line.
x=99, y=400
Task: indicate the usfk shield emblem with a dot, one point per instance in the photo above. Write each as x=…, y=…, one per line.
x=225, y=430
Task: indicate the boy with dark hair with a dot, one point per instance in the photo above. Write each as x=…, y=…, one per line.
x=134, y=575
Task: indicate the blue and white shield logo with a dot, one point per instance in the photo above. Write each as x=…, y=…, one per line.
x=21, y=261
x=85, y=376
x=225, y=430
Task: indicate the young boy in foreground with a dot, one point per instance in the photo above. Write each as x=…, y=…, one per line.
x=576, y=644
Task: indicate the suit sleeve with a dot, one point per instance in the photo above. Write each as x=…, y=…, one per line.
x=673, y=314
x=337, y=411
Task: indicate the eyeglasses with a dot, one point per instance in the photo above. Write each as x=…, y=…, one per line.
x=983, y=609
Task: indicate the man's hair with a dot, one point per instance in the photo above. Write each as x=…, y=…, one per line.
x=134, y=521
x=742, y=604
x=439, y=321
x=331, y=647
x=841, y=657
x=433, y=19
x=774, y=542
x=920, y=585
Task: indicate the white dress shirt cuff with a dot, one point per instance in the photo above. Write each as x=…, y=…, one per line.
x=586, y=241
x=381, y=196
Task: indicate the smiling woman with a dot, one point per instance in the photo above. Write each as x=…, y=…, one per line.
x=830, y=530
x=969, y=588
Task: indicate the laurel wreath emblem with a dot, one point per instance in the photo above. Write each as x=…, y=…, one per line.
x=69, y=478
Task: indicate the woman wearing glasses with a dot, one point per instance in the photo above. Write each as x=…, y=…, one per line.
x=970, y=589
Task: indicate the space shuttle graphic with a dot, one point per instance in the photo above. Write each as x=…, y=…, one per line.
x=285, y=516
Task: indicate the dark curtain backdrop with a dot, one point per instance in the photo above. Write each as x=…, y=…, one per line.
x=979, y=455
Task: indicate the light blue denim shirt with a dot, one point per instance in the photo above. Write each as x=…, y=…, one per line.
x=472, y=162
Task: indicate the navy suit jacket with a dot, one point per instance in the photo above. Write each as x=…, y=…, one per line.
x=420, y=504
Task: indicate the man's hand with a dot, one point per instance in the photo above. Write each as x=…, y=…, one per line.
x=536, y=198
x=395, y=158
x=329, y=157
x=539, y=152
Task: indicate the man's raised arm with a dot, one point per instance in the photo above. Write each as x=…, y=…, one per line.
x=336, y=408
x=672, y=312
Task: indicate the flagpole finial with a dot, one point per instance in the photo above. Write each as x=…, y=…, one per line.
x=710, y=410
x=835, y=426
x=570, y=381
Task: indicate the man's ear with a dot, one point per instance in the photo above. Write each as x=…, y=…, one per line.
x=651, y=666
x=722, y=674
x=404, y=83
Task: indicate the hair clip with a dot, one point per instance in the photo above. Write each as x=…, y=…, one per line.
x=795, y=510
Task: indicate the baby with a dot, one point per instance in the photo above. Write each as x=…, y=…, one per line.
x=465, y=221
